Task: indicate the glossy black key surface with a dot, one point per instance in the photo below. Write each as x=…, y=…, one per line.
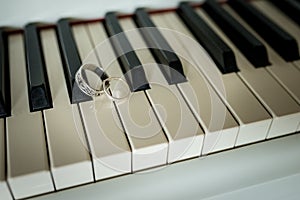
x=251, y=47
x=220, y=52
x=71, y=60
x=5, y=103
x=281, y=41
x=130, y=64
x=161, y=50
x=38, y=86
x=290, y=7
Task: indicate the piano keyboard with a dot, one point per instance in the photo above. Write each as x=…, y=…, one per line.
x=236, y=84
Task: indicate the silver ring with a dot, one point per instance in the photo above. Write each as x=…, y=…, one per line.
x=88, y=90
x=83, y=85
x=109, y=94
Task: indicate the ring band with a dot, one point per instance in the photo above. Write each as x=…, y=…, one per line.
x=88, y=90
x=83, y=85
x=109, y=94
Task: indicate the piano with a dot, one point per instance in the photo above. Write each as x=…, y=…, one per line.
x=213, y=111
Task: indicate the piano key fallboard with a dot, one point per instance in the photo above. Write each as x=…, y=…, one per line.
x=212, y=78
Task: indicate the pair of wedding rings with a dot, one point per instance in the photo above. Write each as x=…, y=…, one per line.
x=105, y=88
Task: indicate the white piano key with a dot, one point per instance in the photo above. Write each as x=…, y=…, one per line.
x=149, y=144
x=283, y=108
x=286, y=74
x=147, y=140
x=68, y=150
x=111, y=152
x=220, y=127
x=27, y=161
x=183, y=131
x=110, y=149
x=4, y=191
x=221, y=130
x=282, y=20
x=253, y=119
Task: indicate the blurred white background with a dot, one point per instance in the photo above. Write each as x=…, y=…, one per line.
x=20, y=12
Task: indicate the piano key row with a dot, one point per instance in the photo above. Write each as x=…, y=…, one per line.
x=72, y=144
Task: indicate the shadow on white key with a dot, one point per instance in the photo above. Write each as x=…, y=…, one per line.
x=220, y=127
x=253, y=119
x=184, y=134
x=241, y=97
x=292, y=28
x=148, y=142
x=109, y=146
x=4, y=191
x=283, y=108
x=284, y=72
x=282, y=20
x=69, y=154
x=27, y=161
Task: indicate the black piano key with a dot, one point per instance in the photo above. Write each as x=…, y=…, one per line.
x=220, y=52
x=130, y=64
x=5, y=104
x=38, y=86
x=281, y=41
x=251, y=47
x=290, y=7
x=71, y=60
x=160, y=48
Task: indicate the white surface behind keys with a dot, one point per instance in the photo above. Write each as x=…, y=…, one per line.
x=267, y=170
x=19, y=13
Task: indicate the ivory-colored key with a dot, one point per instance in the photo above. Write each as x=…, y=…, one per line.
x=28, y=171
x=4, y=191
x=68, y=149
x=146, y=137
x=253, y=119
x=147, y=140
x=282, y=20
x=220, y=127
x=283, y=108
x=183, y=131
x=109, y=146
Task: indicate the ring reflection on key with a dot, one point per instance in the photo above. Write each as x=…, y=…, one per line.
x=115, y=88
